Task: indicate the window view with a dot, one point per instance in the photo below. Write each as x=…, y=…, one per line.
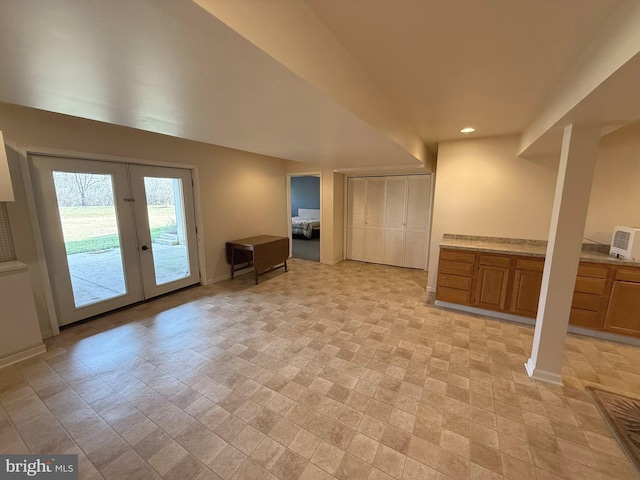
x=168, y=229
x=91, y=238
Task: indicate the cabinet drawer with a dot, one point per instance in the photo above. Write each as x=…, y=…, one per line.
x=585, y=301
x=453, y=295
x=594, y=286
x=454, y=281
x=456, y=268
x=590, y=270
x=585, y=318
x=495, y=260
x=527, y=264
x=457, y=256
x=628, y=275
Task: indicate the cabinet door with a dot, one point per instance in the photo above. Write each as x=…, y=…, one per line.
x=526, y=292
x=624, y=309
x=492, y=287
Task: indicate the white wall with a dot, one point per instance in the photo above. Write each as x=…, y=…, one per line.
x=483, y=188
x=615, y=194
x=242, y=194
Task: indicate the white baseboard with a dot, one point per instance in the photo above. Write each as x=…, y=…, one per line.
x=23, y=355
x=333, y=262
x=542, y=375
x=227, y=276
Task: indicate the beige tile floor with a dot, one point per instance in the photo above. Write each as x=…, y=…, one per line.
x=322, y=372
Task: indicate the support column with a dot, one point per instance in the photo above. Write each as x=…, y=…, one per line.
x=573, y=188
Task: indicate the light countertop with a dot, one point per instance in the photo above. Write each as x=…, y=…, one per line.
x=530, y=248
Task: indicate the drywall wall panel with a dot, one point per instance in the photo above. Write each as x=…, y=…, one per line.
x=483, y=188
x=242, y=194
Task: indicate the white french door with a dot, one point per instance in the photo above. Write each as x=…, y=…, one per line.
x=167, y=251
x=113, y=234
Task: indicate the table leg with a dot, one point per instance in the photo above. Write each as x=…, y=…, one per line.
x=232, y=261
x=285, y=266
x=256, y=277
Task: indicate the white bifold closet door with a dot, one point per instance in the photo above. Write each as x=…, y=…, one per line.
x=388, y=220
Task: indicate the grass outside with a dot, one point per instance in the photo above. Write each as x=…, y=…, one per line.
x=90, y=229
x=104, y=242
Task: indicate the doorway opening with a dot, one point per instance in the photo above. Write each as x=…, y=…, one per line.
x=305, y=216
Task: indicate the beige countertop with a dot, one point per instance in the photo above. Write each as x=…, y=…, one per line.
x=530, y=248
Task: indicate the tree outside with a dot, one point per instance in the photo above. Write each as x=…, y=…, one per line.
x=88, y=214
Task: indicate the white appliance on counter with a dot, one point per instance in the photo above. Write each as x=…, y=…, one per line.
x=625, y=243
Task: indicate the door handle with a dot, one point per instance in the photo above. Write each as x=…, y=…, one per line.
x=144, y=247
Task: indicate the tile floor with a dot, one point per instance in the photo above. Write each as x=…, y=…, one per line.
x=323, y=372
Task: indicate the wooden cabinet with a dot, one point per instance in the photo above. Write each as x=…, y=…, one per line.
x=493, y=281
x=623, y=315
x=387, y=220
x=527, y=282
x=591, y=296
x=455, y=277
x=606, y=296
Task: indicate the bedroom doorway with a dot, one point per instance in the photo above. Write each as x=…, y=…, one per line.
x=304, y=214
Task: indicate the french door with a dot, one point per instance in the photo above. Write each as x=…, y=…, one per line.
x=113, y=233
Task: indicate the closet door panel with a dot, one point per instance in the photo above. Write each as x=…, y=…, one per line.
x=415, y=249
x=395, y=202
x=357, y=201
x=418, y=202
x=393, y=245
x=375, y=202
x=356, y=243
x=373, y=245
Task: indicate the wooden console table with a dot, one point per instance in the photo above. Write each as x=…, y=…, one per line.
x=262, y=253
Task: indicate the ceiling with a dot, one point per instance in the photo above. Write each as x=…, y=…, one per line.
x=449, y=64
x=171, y=67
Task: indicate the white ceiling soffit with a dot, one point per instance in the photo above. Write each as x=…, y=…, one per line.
x=448, y=64
x=167, y=66
x=603, y=86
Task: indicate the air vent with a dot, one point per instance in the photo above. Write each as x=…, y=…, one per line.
x=621, y=240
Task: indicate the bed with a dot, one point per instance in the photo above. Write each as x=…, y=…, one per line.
x=306, y=223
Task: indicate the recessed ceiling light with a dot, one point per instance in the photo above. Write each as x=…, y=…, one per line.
x=468, y=130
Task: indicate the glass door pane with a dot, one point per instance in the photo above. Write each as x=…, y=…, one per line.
x=91, y=238
x=165, y=228
x=88, y=234
x=165, y=210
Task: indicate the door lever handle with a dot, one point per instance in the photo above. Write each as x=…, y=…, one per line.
x=144, y=247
